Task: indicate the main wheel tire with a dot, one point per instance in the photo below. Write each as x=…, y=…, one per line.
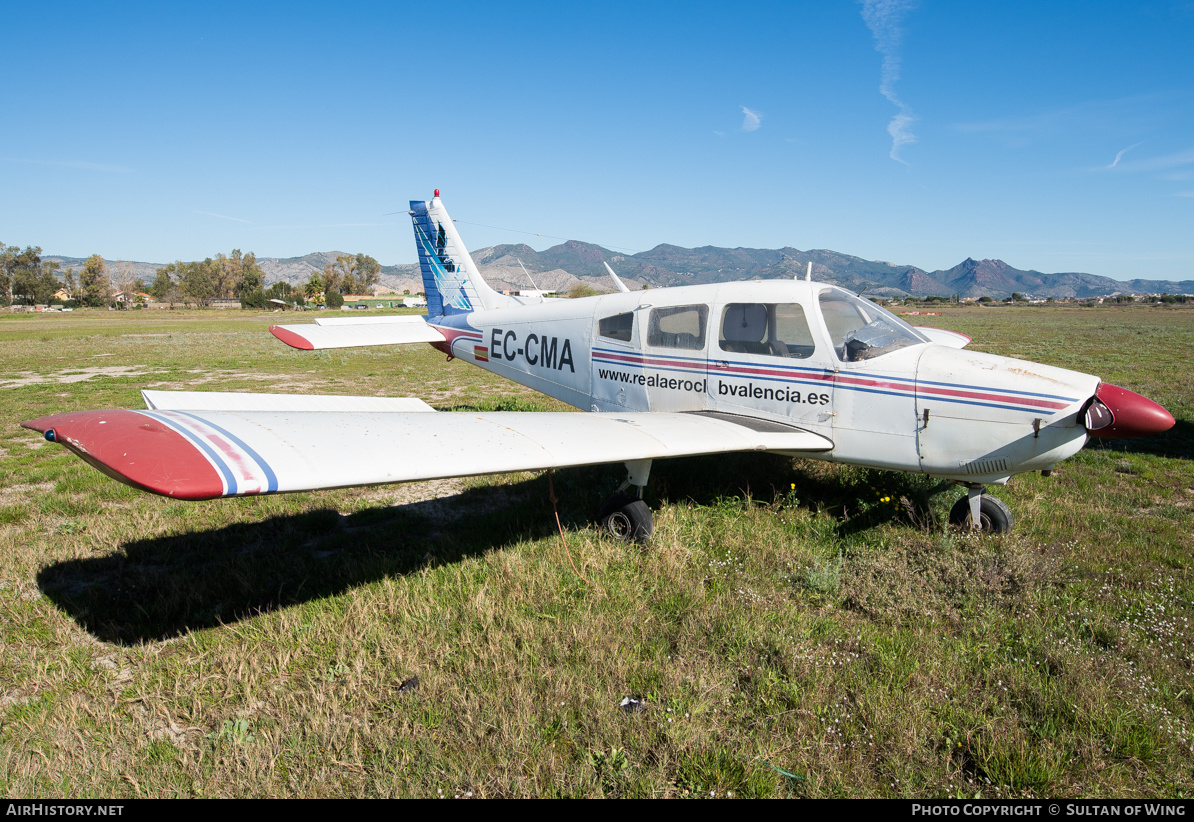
x=994, y=516
x=627, y=518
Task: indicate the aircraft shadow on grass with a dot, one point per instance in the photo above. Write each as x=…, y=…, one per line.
x=162, y=587
x=1176, y=443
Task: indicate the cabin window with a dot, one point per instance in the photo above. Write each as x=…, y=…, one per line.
x=771, y=329
x=681, y=326
x=618, y=327
x=861, y=330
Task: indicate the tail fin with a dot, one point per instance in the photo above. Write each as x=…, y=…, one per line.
x=450, y=278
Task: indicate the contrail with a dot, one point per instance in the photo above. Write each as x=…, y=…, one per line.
x=1121, y=154
x=751, y=120
x=883, y=19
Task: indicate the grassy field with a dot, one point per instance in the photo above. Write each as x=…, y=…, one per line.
x=795, y=629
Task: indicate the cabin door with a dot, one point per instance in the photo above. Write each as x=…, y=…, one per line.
x=766, y=363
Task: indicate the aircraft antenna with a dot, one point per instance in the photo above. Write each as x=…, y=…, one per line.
x=621, y=285
x=808, y=276
x=524, y=271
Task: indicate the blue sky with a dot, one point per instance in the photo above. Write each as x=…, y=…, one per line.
x=1057, y=136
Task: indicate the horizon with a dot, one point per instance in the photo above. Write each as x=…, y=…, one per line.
x=885, y=130
x=259, y=257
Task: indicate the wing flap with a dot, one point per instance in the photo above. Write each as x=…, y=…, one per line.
x=348, y=332
x=251, y=452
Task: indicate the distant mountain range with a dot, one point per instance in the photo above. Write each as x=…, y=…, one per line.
x=561, y=267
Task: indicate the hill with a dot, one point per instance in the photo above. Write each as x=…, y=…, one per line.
x=559, y=268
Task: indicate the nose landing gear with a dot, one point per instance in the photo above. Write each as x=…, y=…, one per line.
x=980, y=511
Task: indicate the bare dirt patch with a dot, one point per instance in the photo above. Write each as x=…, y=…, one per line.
x=441, y=501
x=18, y=493
x=203, y=377
x=412, y=492
x=433, y=499
x=78, y=375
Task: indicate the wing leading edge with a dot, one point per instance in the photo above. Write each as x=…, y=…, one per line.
x=205, y=454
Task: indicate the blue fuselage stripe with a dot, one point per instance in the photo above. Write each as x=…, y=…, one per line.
x=965, y=387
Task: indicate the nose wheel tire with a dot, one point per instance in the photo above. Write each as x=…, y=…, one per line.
x=626, y=518
x=994, y=516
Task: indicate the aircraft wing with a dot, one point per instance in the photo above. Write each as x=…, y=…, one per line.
x=218, y=452
x=940, y=335
x=346, y=332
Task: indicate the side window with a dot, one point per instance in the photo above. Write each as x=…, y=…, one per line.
x=681, y=326
x=772, y=329
x=792, y=331
x=744, y=328
x=618, y=327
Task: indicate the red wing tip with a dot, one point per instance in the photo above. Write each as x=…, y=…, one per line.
x=290, y=338
x=135, y=449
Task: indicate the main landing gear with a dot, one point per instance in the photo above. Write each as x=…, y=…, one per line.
x=992, y=516
x=624, y=515
x=627, y=518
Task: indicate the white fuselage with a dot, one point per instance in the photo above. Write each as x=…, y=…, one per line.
x=783, y=351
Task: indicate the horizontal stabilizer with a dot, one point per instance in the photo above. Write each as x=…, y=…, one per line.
x=231, y=401
x=189, y=454
x=347, y=332
x=942, y=337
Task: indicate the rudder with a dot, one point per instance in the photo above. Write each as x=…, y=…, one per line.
x=450, y=278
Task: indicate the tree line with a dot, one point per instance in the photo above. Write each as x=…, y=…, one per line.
x=26, y=279
x=223, y=278
x=349, y=274
x=239, y=276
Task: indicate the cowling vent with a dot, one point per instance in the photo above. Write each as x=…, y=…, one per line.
x=987, y=466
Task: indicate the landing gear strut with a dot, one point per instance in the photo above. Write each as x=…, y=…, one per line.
x=992, y=516
x=624, y=515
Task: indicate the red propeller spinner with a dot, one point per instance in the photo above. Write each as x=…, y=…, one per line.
x=1117, y=413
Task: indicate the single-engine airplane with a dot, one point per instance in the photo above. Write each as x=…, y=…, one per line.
x=789, y=366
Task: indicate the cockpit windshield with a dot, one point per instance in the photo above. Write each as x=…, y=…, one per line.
x=861, y=330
